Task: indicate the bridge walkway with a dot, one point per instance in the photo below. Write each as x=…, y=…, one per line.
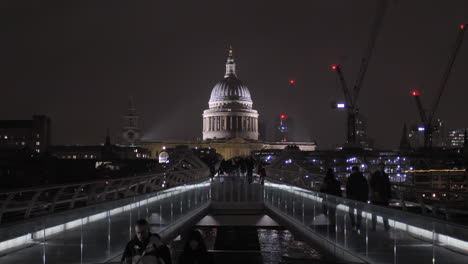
x=98, y=233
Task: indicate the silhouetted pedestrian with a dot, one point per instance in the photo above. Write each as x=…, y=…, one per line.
x=332, y=187
x=243, y=166
x=195, y=251
x=146, y=247
x=380, y=193
x=250, y=167
x=262, y=173
x=212, y=171
x=356, y=189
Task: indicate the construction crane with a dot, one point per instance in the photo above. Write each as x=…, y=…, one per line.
x=428, y=117
x=351, y=97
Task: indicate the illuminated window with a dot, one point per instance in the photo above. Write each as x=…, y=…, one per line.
x=23, y=143
x=6, y=137
x=74, y=156
x=38, y=143
x=37, y=135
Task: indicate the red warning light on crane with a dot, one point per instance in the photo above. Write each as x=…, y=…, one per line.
x=291, y=81
x=462, y=26
x=334, y=67
x=415, y=93
x=283, y=116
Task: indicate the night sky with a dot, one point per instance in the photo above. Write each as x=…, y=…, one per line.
x=79, y=64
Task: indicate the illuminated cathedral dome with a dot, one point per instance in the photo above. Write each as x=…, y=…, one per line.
x=230, y=112
x=231, y=88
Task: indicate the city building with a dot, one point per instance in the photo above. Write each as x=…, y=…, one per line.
x=282, y=131
x=456, y=138
x=230, y=114
x=439, y=135
x=106, y=151
x=28, y=136
x=131, y=129
x=230, y=125
x=361, y=132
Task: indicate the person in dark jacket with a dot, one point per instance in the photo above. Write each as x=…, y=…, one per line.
x=356, y=189
x=380, y=193
x=146, y=247
x=250, y=168
x=195, y=251
x=332, y=187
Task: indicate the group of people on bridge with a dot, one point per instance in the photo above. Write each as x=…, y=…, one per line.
x=240, y=166
x=148, y=248
x=377, y=190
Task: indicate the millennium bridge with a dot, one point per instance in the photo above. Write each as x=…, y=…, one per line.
x=90, y=222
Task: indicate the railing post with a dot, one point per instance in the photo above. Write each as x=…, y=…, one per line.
x=5, y=204
x=92, y=196
x=31, y=204
x=402, y=201
x=56, y=198
x=105, y=191
x=75, y=195
x=421, y=203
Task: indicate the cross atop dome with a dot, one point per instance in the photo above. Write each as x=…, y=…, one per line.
x=230, y=65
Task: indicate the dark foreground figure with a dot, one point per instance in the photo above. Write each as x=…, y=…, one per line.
x=145, y=247
x=195, y=251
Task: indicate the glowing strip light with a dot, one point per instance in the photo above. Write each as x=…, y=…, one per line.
x=31, y=237
x=448, y=170
x=21, y=240
x=416, y=231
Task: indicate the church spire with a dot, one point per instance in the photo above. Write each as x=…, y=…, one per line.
x=108, y=142
x=131, y=106
x=230, y=65
x=404, y=142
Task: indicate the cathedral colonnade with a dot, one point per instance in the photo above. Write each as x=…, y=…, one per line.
x=242, y=125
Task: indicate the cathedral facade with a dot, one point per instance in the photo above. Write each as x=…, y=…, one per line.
x=230, y=114
x=230, y=124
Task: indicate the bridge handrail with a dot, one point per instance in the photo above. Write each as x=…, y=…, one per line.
x=290, y=177
x=421, y=226
x=52, y=198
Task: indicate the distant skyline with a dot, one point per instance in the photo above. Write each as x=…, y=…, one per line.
x=79, y=64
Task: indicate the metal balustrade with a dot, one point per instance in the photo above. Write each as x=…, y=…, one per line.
x=235, y=189
x=404, y=195
x=410, y=195
x=100, y=223
x=27, y=203
x=99, y=232
x=407, y=238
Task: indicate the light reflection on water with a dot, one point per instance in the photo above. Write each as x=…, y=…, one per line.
x=282, y=243
x=274, y=244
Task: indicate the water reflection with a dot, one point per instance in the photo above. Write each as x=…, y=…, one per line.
x=276, y=246
x=276, y=243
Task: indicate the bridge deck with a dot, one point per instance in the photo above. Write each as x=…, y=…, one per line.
x=103, y=239
x=410, y=239
x=101, y=235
